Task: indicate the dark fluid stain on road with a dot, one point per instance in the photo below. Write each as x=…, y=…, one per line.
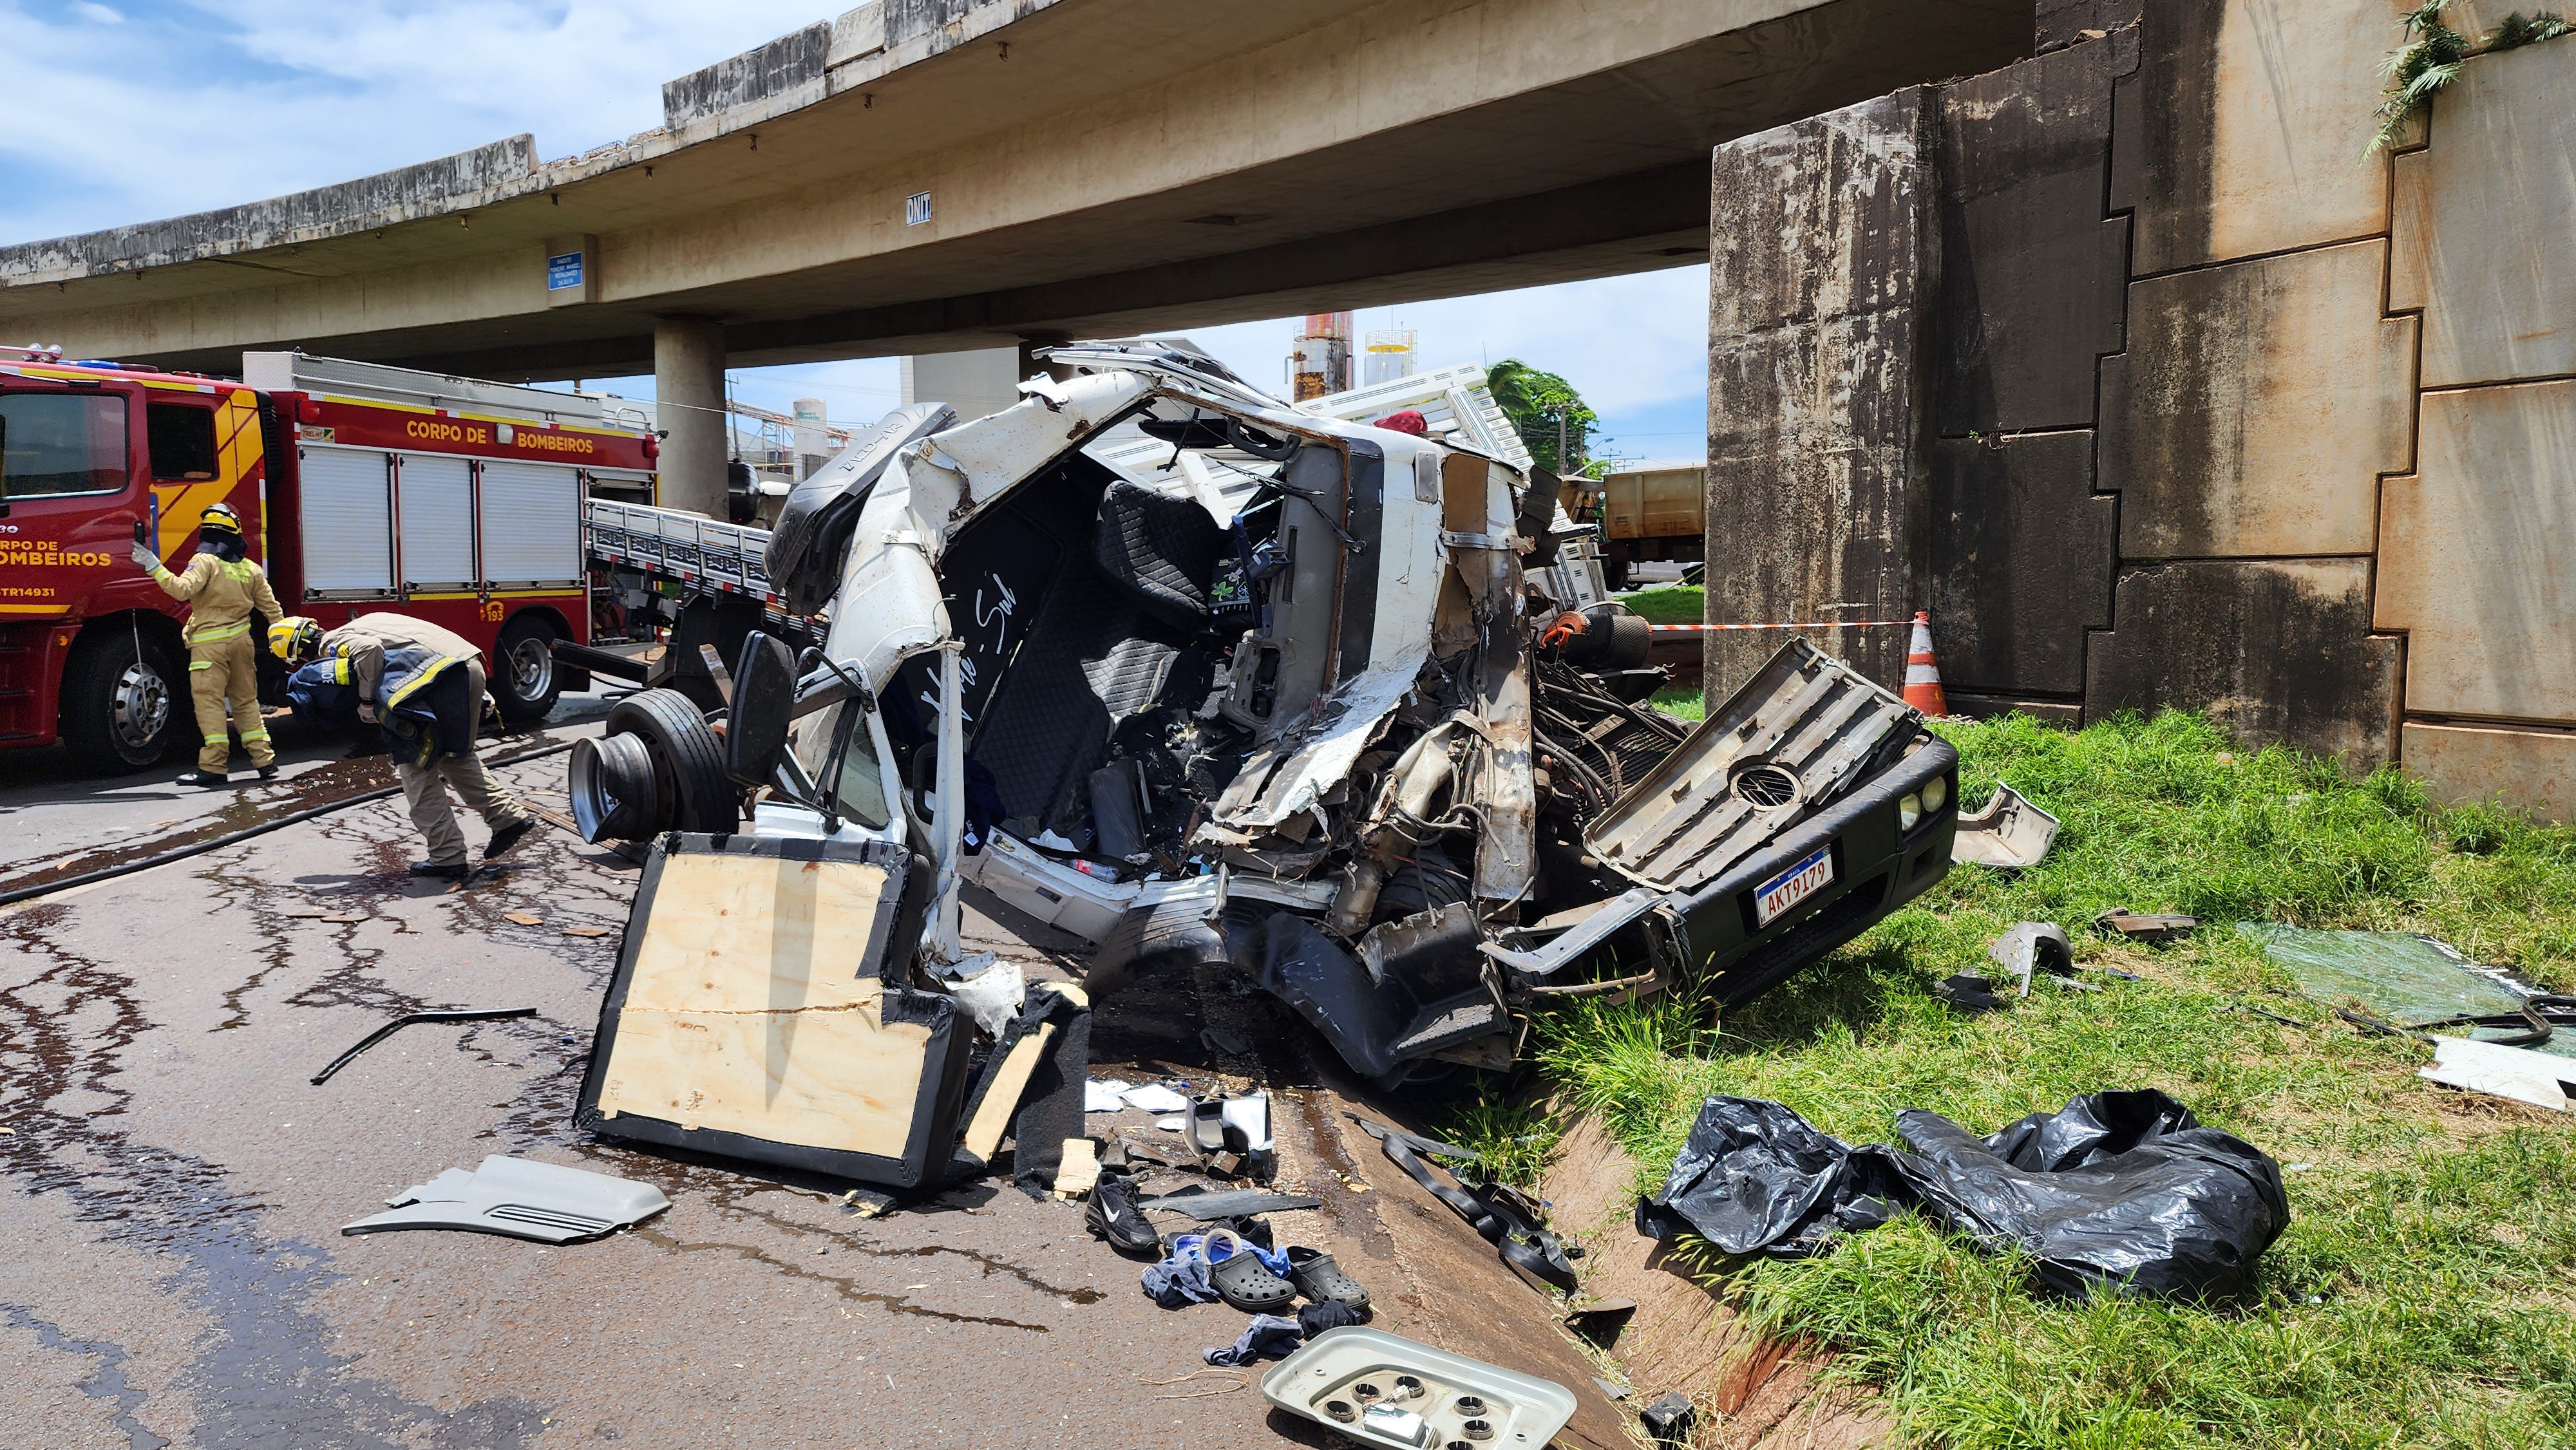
x=246, y=806
x=107, y=1382
x=892, y=1303
x=729, y=1197
x=267, y=1376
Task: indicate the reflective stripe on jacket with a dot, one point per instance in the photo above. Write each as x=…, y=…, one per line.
x=221, y=596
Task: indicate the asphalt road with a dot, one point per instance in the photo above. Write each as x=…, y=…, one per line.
x=171, y=1270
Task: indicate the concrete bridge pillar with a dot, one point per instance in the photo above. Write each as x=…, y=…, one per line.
x=689, y=392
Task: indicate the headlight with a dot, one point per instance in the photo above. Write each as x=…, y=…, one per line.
x=1935, y=793
x=1909, y=809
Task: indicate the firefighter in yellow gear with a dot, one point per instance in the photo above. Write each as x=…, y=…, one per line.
x=222, y=589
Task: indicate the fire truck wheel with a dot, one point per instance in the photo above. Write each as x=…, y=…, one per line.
x=524, y=681
x=122, y=710
x=691, y=790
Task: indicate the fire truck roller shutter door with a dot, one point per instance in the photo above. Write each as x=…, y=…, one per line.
x=348, y=522
x=531, y=525
x=437, y=521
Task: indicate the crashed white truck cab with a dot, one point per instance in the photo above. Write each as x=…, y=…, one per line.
x=1317, y=701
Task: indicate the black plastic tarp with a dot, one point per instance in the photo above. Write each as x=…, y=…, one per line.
x=2119, y=1190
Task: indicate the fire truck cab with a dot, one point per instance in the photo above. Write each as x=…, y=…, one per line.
x=360, y=488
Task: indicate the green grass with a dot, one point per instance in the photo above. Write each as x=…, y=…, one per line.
x=1672, y=604
x=2424, y=1292
x=1682, y=702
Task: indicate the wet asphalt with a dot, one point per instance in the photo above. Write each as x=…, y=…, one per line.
x=171, y=1267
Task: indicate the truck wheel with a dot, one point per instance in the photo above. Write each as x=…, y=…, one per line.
x=525, y=683
x=691, y=791
x=1614, y=574
x=121, y=707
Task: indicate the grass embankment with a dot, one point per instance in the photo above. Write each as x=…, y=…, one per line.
x=1672, y=604
x=2425, y=1292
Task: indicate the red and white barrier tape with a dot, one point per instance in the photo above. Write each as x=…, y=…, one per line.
x=1820, y=624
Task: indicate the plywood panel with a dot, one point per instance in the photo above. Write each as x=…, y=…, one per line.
x=747, y=1011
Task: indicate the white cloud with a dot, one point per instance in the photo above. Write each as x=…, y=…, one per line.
x=97, y=12
x=205, y=105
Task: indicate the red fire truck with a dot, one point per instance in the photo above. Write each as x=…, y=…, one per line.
x=360, y=487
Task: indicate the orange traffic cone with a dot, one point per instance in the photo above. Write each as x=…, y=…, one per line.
x=1922, y=674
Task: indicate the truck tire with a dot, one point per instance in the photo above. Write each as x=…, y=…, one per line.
x=123, y=710
x=1614, y=575
x=690, y=788
x=525, y=682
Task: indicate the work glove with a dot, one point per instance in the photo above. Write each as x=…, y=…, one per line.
x=144, y=558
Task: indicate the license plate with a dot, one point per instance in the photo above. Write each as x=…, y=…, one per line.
x=1794, y=885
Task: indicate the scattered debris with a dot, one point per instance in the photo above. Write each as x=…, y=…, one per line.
x=1265, y=1336
x=1154, y=1097
x=1503, y=1216
x=1670, y=1419
x=2121, y=921
x=1077, y=1169
x=2409, y=984
x=1384, y=1390
x=2033, y=947
x=2518, y=1073
x=305, y=913
x=1246, y=1275
x=735, y=1023
x=585, y=931
x=1207, y=1205
x=1600, y=1320
x=346, y=918
x=519, y=1198
x=2117, y=1190
x=523, y=918
x=1968, y=993
x=2009, y=833
x=1112, y=1213
x=457, y=1014
x=1226, y=1388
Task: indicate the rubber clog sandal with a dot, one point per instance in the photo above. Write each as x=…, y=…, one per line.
x=1242, y=1280
x=1319, y=1278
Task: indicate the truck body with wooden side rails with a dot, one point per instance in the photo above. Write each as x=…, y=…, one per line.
x=360, y=488
x=1648, y=511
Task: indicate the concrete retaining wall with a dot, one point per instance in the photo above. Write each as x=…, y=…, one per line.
x=2214, y=422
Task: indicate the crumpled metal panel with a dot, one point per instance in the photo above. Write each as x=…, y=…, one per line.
x=1814, y=720
x=1291, y=773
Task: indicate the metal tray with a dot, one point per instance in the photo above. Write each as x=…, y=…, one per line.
x=1382, y=1389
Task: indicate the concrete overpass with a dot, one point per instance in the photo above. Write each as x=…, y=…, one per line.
x=1088, y=167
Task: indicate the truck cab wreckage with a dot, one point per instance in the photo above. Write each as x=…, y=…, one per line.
x=1237, y=686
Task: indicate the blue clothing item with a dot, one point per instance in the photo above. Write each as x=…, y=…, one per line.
x=1267, y=1337
x=1182, y=1277
x=1275, y=1260
x=422, y=724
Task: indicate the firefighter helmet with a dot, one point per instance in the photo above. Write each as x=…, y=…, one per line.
x=295, y=639
x=222, y=517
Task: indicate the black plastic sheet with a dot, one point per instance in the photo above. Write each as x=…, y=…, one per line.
x=2117, y=1190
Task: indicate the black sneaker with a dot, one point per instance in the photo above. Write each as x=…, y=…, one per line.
x=1112, y=1214
x=504, y=837
x=441, y=870
x=199, y=777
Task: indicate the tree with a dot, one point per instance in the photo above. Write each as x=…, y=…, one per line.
x=1543, y=408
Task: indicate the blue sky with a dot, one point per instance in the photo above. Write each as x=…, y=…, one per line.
x=133, y=110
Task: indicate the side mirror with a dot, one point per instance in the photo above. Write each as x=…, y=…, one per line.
x=764, y=703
